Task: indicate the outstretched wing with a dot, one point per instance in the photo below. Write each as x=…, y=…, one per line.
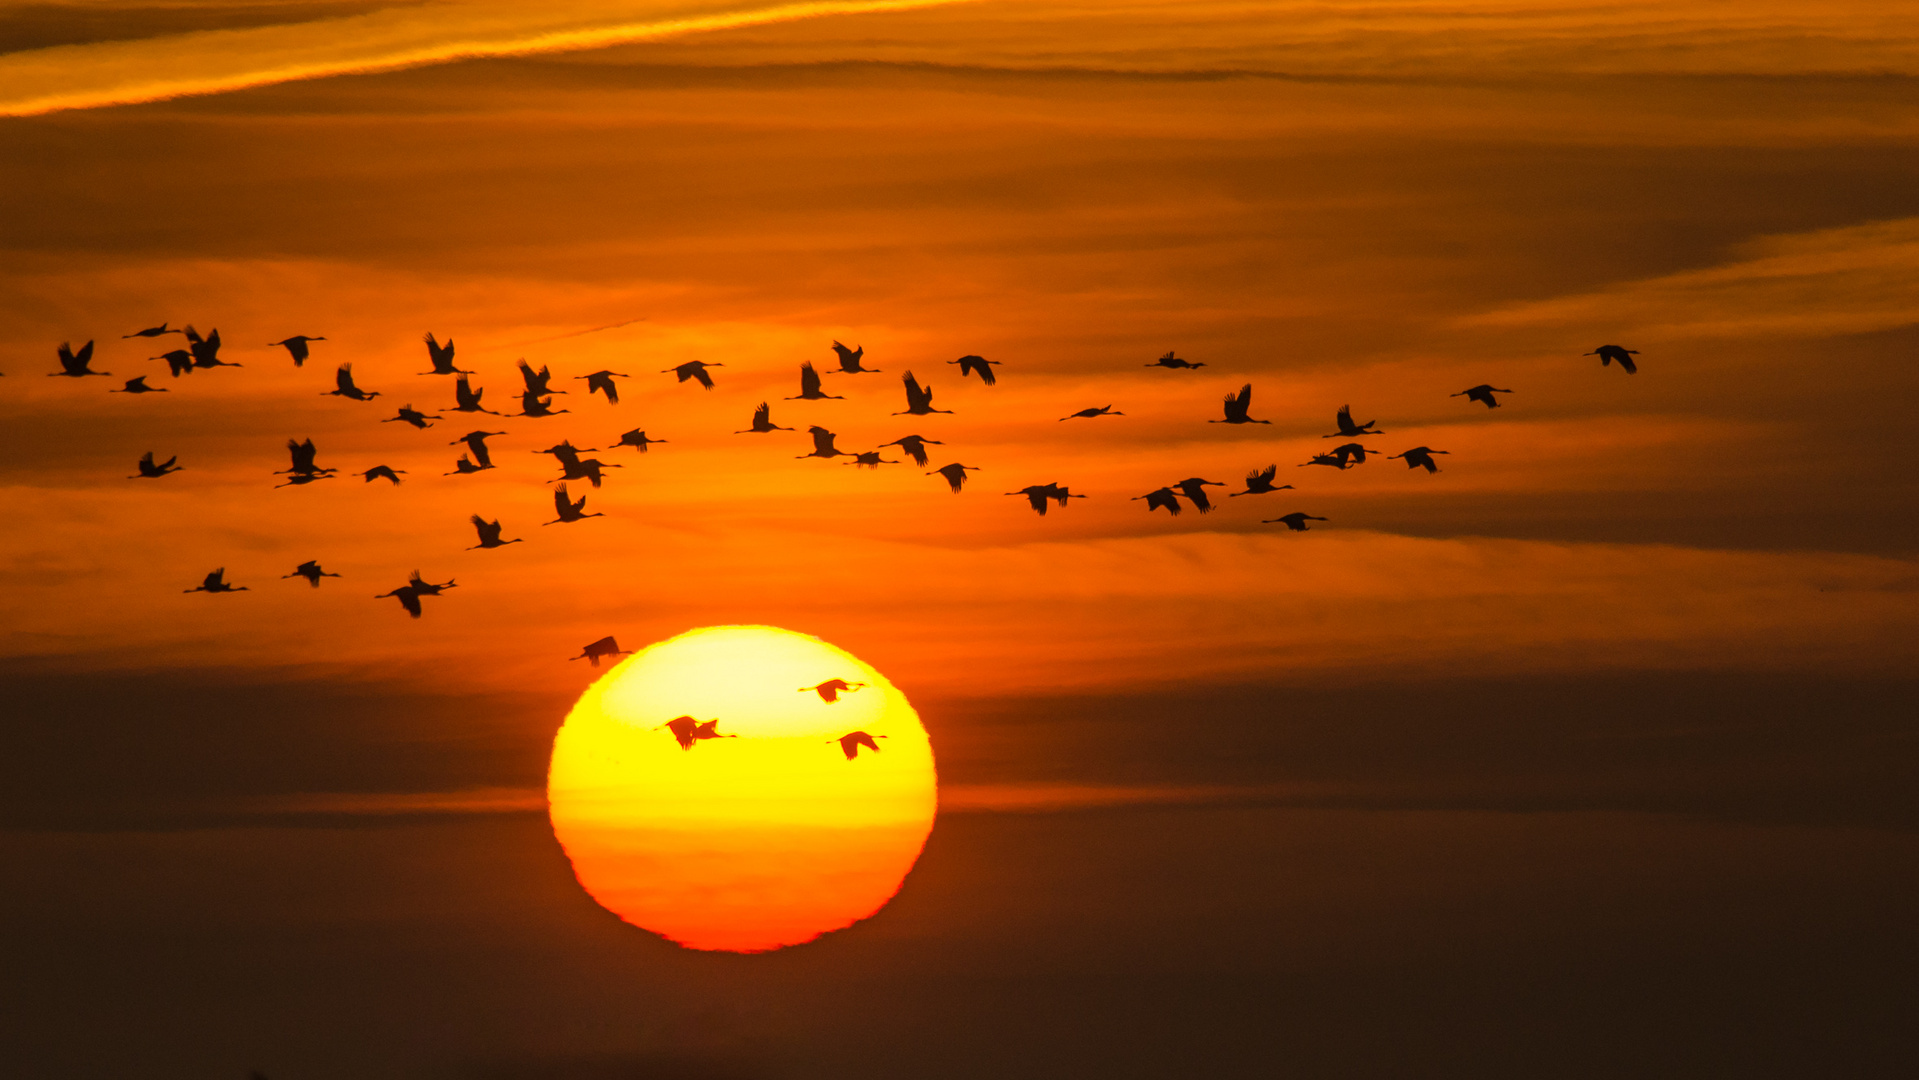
x=705, y=379
x=763, y=416
x=809, y=380
x=561, y=504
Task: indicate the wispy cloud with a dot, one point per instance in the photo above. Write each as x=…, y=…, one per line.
x=216, y=61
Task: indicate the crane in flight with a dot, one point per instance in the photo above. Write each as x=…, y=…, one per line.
x=343, y=386
x=309, y=570
x=810, y=386
x=830, y=690
x=1161, y=499
x=762, y=422
x=150, y=471
x=850, y=360
x=1194, y=488
x=303, y=479
x=1609, y=353
x=467, y=399
x=1103, y=410
x=490, y=536
x=1172, y=361
x=1236, y=406
x=383, y=472
x=138, y=385
x=687, y=731
x=149, y=332
x=914, y=447
x=1353, y=452
x=569, y=510
x=538, y=382
x=205, y=350
x=304, y=463
x=179, y=362
x=1295, y=521
x=851, y=742
x=1337, y=461
x=602, y=382
x=441, y=357
x=977, y=365
x=584, y=469
x=696, y=370
x=1038, y=495
x=1260, y=482
x=822, y=444
x=464, y=467
x=1483, y=393
x=296, y=347
x=955, y=474
x=604, y=647
x=532, y=404
x=637, y=440
x=476, y=443
x=1421, y=457
x=869, y=459
x=409, y=415
x=216, y=583
x=1348, y=429
x=919, y=401
x=75, y=364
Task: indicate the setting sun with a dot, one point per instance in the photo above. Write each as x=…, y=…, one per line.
x=756, y=831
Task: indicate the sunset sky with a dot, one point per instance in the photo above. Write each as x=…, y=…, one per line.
x=1590, y=754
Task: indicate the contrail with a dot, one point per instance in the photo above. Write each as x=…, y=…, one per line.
x=217, y=61
x=577, y=333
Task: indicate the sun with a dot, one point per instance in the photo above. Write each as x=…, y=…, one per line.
x=748, y=824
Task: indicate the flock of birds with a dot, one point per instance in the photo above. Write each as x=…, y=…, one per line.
x=202, y=352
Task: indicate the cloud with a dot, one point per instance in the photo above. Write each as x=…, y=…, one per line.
x=217, y=61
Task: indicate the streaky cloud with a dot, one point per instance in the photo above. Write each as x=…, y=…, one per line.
x=220, y=61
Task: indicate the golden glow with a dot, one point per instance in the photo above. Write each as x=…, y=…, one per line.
x=749, y=843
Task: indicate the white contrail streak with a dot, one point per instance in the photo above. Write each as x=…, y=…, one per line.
x=216, y=61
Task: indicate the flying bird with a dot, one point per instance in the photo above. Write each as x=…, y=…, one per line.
x=1103, y=410
x=870, y=459
x=476, y=445
x=1171, y=361
x=467, y=399
x=955, y=475
x=810, y=387
x=216, y=583
x=410, y=415
x=566, y=452
x=309, y=570
x=296, y=347
x=139, y=386
x=830, y=690
x=343, y=386
x=1483, y=393
x=602, y=381
x=538, y=382
x=1421, y=457
x=569, y=511
x=1161, y=499
x=150, y=471
x=150, y=332
x=1353, y=452
x=303, y=455
x=383, y=472
x=303, y=479
x=420, y=585
x=919, y=401
x=179, y=362
x=1608, y=353
x=762, y=422
x=1260, y=482
x=1348, y=429
x=584, y=469
x=914, y=447
x=850, y=360
x=637, y=440
x=976, y=365
x=1295, y=521
x=689, y=731
x=490, y=536
x=532, y=404
x=606, y=646
x=851, y=742
x=464, y=467
x=408, y=597
x=205, y=350
x=1236, y=406
x=822, y=444
x=1337, y=461
x=441, y=357
x=694, y=369
x=1038, y=495
x=1194, y=488
x=74, y=364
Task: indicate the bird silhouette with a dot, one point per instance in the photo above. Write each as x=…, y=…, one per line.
x=810, y=386
x=637, y=440
x=851, y=742
x=822, y=444
x=1608, y=353
x=1260, y=482
x=540, y=382
x=343, y=386
x=977, y=365
x=420, y=585
x=467, y=399
x=914, y=447
x=602, y=381
x=296, y=347
x=441, y=357
x=1161, y=499
x=309, y=570
x=303, y=479
x=919, y=401
x=150, y=332
x=688, y=731
x=1337, y=461
x=1236, y=406
x=870, y=459
x=584, y=469
x=464, y=467
x=762, y=422
x=1483, y=393
x=566, y=452
x=1038, y=495
x=139, y=386
x=216, y=583
x=304, y=457
x=569, y=511
x=533, y=405
x=179, y=362
x=694, y=369
x=606, y=646
x=850, y=360
x=1103, y=410
x=1194, y=488
x=476, y=445
x=408, y=598
x=955, y=475
x=1171, y=361
x=1348, y=429
x=1421, y=457
x=408, y=414
x=383, y=472
x=150, y=471
x=830, y=690
x=1295, y=521
x=490, y=536
x=205, y=350
x=1353, y=452
x=74, y=364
